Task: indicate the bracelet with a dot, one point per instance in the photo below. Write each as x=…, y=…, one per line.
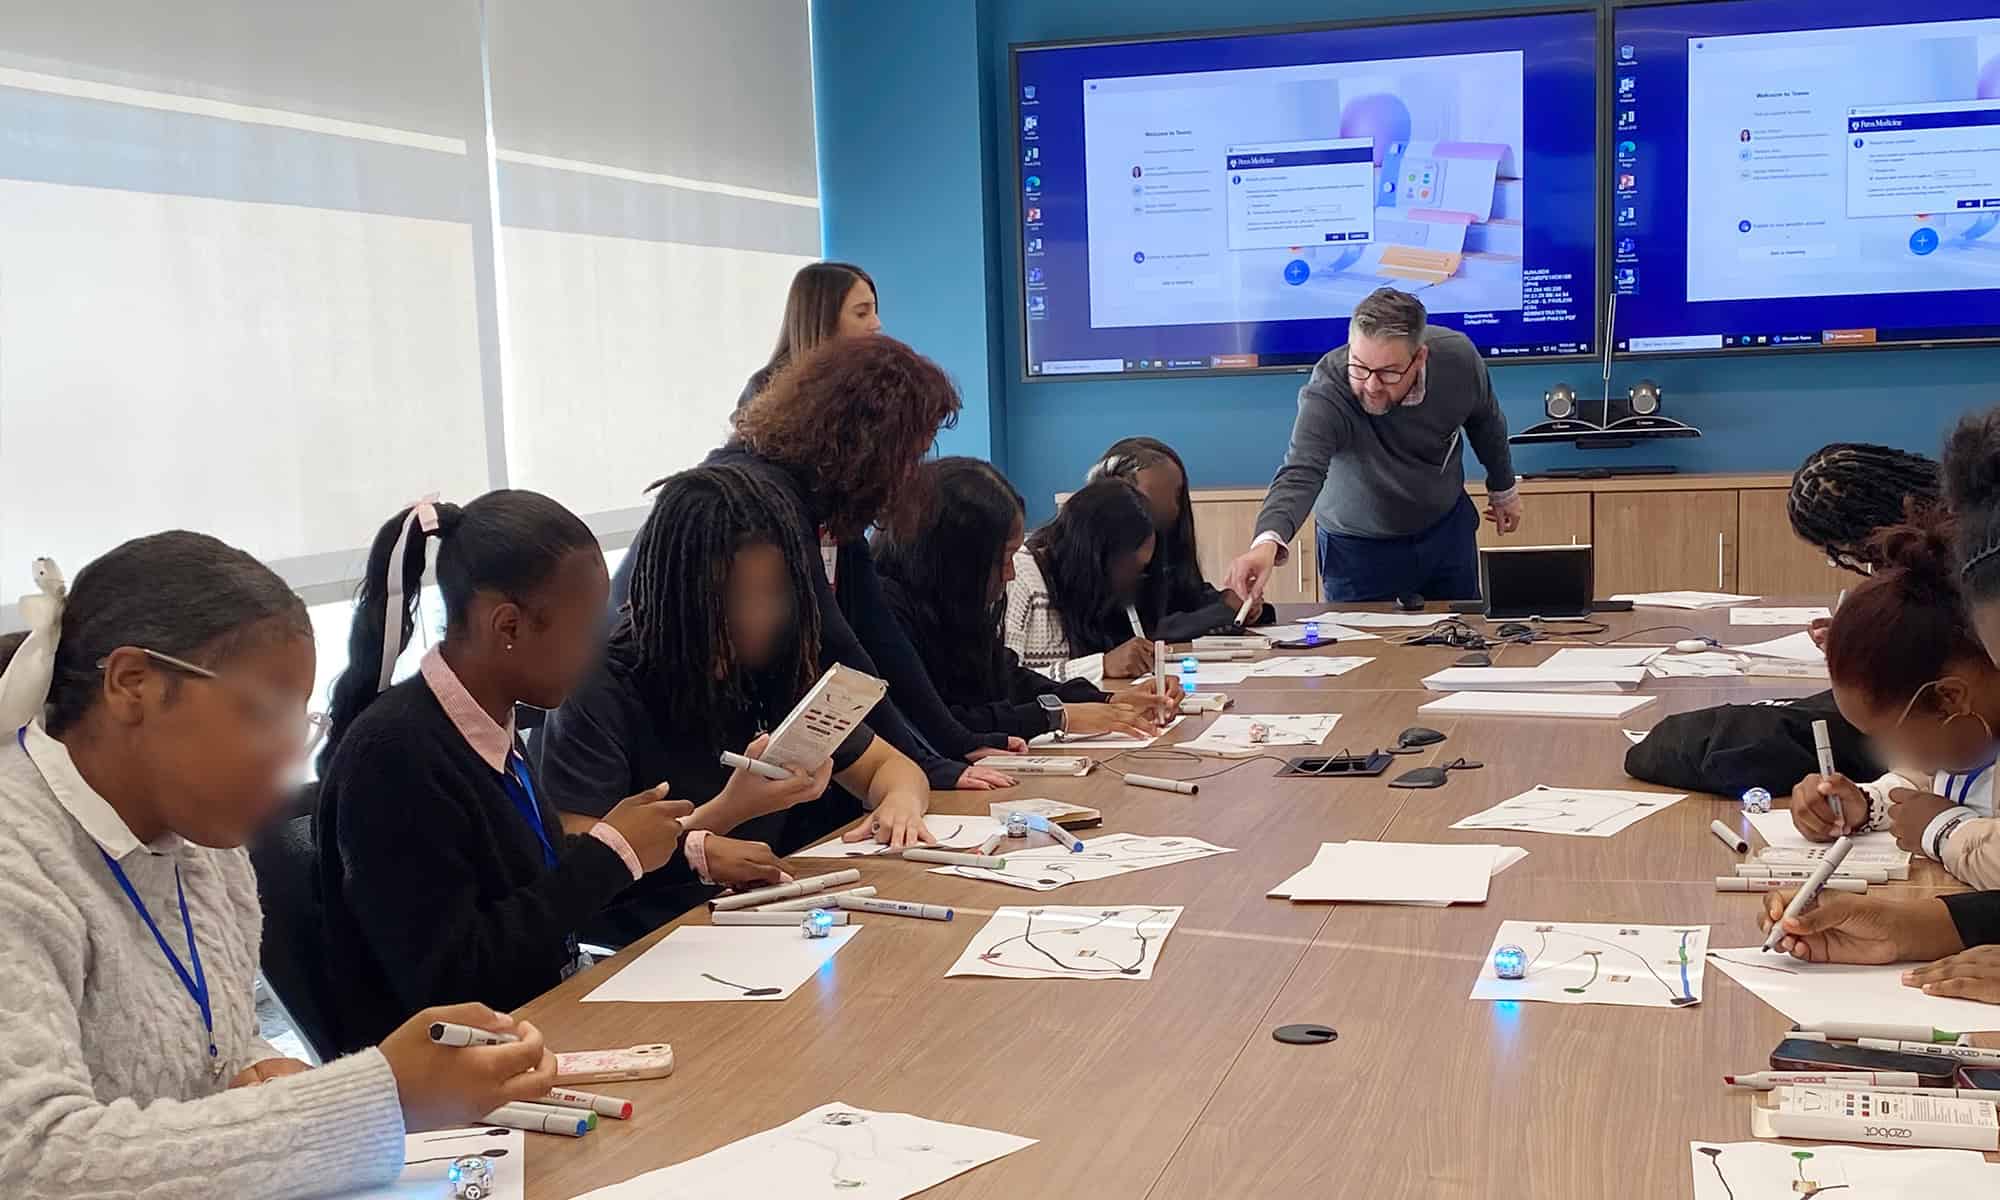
x=1937, y=840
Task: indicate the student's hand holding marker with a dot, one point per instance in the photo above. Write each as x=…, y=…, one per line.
x=736, y=863
x=1971, y=975
x=1910, y=813
x=440, y=1086
x=1845, y=928
x=650, y=824
x=897, y=822
x=1812, y=806
x=1108, y=718
x=1129, y=661
x=748, y=794
x=1147, y=701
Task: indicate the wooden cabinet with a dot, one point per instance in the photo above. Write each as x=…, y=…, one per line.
x=1224, y=529
x=1665, y=541
x=1771, y=560
x=1547, y=519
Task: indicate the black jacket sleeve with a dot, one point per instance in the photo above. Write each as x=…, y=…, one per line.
x=1977, y=915
x=582, y=752
x=407, y=846
x=888, y=643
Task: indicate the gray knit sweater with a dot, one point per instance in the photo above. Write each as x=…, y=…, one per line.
x=105, y=1085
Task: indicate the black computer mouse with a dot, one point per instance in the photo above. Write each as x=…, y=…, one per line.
x=1417, y=736
x=1513, y=629
x=1410, y=602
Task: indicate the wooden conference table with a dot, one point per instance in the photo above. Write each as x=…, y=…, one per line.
x=1174, y=1087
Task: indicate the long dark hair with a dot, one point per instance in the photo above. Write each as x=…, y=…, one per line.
x=1972, y=487
x=509, y=542
x=675, y=631
x=1844, y=493
x=1097, y=524
x=178, y=593
x=946, y=563
x=812, y=312
x=1176, y=569
x=853, y=419
x=1900, y=628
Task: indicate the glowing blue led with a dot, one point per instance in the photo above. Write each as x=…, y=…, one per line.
x=452, y=1173
x=1510, y=962
x=1757, y=800
x=1312, y=633
x=818, y=924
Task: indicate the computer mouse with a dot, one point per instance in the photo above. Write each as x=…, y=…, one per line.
x=1410, y=602
x=1416, y=736
x=1513, y=629
x=1475, y=659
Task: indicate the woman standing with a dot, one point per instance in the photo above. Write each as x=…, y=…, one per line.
x=828, y=301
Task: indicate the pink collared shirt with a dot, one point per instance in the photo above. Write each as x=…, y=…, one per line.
x=494, y=743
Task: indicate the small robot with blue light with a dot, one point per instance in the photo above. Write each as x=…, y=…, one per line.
x=1510, y=962
x=817, y=924
x=471, y=1177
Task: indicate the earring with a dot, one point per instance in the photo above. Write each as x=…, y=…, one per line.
x=510, y=647
x=1975, y=716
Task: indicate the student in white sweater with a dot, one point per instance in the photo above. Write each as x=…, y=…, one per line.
x=136, y=759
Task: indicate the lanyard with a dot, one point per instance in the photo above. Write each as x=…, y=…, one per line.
x=522, y=793
x=1969, y=778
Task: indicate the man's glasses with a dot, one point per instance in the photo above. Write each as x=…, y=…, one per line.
x=1361, y=373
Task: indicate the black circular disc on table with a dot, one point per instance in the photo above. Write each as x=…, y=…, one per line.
x=1305, y=1035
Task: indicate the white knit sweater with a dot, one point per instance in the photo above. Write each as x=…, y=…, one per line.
x=105, y=1083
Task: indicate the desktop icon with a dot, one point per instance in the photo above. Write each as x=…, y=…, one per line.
x=1627, y=276
x=1027, y=91
x=1034, y=215
x=1034, y=274
x=1626, y=182
x=1034, y=245
x=1034, y=183
x=1761, y=339
x=1628, y=216
x=1628, y=246
x=1029, y=124
x=1626, y=53
x=1138, y=256
x=1627, y=149
x=1037, y=304
x=1031, y=156
x=1626, y=85
x=1628, y=118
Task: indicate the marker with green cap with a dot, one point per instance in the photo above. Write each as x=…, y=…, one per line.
x=1853, y=1030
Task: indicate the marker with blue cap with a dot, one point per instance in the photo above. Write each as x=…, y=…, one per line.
x=1063, y=837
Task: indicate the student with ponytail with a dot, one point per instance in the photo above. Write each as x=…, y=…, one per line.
x=444, y=868
x=721, y=638
x=1175, y=603
x=161, y=709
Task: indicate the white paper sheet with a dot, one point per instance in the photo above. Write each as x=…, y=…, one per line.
x=1221, y=674
x=1304, y=667
x=1535, y=679
x=1778, y=832
x=836, y=1150
x=1504, y=857
x=1534, y=704
x=1643, y=966
x=1707, y=665
x=1776, y=616
x=723, y=962
x=1797, y=647
x=428, y=1156
x=1572, y=657
x=1687, y=600
x=1054, y=941
x=1381, y=620
x=1398, y=873
x=1782, y=1171
x=953, y=831
x=1576, y=812
x=1105, y=741
x=1815, y=992
x=1231, y=733
x=1047, y=868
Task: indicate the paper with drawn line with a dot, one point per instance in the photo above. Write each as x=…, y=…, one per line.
x=1816, y=993
x=949, y=830
x=1576, y=812
x=723, y=962
x=1792, y=1171
x=428, y=1156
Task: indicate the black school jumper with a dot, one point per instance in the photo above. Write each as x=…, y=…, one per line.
x=434, y=886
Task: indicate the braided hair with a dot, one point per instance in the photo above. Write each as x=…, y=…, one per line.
x=675, y=630
x=1972, y=486
x=1843, y=493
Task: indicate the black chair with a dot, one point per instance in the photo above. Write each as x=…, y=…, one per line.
x=287, y=862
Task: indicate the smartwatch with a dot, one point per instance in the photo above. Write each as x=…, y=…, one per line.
x=1052, y=708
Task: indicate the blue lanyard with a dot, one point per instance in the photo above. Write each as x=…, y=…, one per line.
x=522, y=793
x=1969, y=779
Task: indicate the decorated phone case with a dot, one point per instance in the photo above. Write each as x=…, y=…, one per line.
x=654, y=1061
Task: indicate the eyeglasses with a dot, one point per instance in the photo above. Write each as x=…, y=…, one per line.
x=1361, y=373
x=299, y=733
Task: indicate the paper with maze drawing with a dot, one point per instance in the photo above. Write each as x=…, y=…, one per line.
x=1235, y=733
x=1641, y=966
x=952, y=831
x=1771, y=1171
x=1047, y=868
x=1053, y=941
x=1306, y=667
x=834, y=1150
x=1576, y=812
x=428, y=1156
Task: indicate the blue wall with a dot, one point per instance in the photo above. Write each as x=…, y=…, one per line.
x=908, y=90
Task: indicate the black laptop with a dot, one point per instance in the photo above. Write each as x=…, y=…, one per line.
x=1518, y=582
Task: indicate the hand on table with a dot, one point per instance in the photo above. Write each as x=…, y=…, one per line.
x=1845, y=928
x=1910, y=813
x=1129, y=661
x=1969, y=975
x=897, y=822
x=1108, y=718
x=1148, y=702
x=737, y=863
x=1813, y=817
x=976, y=778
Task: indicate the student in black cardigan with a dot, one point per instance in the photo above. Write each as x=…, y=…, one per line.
x=945, y=574
x=719, y=641
x=1956, y=936
x=444, y=870
x=841, y=431
x=1175, y=603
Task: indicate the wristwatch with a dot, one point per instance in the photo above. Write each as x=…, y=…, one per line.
x=1052, y=708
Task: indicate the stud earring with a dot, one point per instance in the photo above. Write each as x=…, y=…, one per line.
x=510, y=647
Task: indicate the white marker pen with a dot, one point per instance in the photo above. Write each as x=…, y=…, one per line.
x=1243, y=614
x=1163, y=785
x=1740, y=883
x=448, y=1033
x=1132, y=618
x=1062, y=837
x=603, y=1106
x=1823, y=746
x=1848, y=1030
x=755, y=766
x=1810, y=892
x=896, y=908
x=808, y=903
x=1764, y=1081
x=947, y=857
x=536, y=1120
x=1730, y=838
x=1976, y=1056
x=764, y=916
x=785, y=891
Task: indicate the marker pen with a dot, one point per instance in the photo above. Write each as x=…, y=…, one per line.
x=1810, y=892
x=1975, y=1056
x=1063, y=837
x=808, y=903
x=1159, y=669
x=1849, y=1030
x=1741, y=883
x=603, y=1106
x=567, y=1111
x=755, y=766
x=1987, y=1095
x=948, y=857
x=764, y=916
x=566, y=1122
x=992, y=843
x=1764, y=871
x=1823, y=745
x=1730, y=838
x=1764, y=1081
x=1243, y=614
x=1163, y=785
x=448, y=1033
x=785, y=891
x=1132, y=618
x=896, y=908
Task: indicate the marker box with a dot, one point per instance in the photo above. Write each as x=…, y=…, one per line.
x=1039, y=764
x=1224, y=642
x=1203, y=702
x=1832, y=1114
x=1060, y=812
x=817, y=725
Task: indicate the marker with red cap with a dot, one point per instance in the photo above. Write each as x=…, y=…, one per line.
x=603, y=1106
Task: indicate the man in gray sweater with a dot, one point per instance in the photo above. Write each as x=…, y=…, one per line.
x=1377, y=454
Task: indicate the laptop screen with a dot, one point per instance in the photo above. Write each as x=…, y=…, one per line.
x=1536, y=581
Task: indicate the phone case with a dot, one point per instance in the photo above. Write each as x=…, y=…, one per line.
x=654, y=1061
x=1982, y=1078
x=1801, y=1054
